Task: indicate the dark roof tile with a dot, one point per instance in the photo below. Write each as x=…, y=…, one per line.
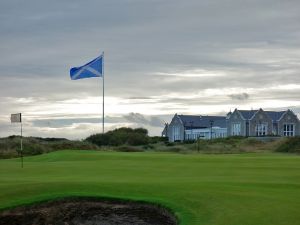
x=275, y=115
x=203, y=121
x=247, y=114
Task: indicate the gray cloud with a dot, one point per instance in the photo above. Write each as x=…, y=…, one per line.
x=144, y=120
x=241, y=97
x=57, y=123
x=253, y=44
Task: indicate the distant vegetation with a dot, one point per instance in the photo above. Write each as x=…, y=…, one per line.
x=138, y=140
x=10, y=146
x=291, y=145
x=122, y=139
x=120, y=136
x=126, y=139
x=220, y=145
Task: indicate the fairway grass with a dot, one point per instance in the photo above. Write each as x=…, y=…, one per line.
x=232, y=189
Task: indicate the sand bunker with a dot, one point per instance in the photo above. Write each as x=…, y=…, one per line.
x=87, y=211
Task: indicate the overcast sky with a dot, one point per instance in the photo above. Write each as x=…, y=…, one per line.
x=161, y=57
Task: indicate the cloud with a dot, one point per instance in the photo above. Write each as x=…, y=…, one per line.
x=142, y=120
x=161, y=57
x=60, y=123
x=241, y=97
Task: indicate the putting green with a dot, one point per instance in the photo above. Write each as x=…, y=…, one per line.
x=236, y=189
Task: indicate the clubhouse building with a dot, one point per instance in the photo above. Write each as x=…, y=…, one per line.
x=248, y=123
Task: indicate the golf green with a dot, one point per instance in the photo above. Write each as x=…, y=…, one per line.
x=233, y=189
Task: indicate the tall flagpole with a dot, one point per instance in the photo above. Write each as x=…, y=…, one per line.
x=103, y=92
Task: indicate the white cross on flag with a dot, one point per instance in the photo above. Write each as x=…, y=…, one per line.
x=91, y=69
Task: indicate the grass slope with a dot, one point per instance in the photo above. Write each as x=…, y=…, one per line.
x=201, y=189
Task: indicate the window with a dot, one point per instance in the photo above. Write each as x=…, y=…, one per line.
x=176, y=133
x=236, y=129
x=261, y=129
x=288, y=130
x=275, y=129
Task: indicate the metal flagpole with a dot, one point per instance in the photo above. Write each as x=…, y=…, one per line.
x=103, y=92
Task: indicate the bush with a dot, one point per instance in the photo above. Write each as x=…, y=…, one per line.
x=137, y=139
x=189, y=141
x=126, y=148
x=169, y=143
x=291, y=144
x=228, y=140
x=98, y=139
x=121, y=136
x=149, y=146
x=10, y=146
x=252, y=141
x=157, y=139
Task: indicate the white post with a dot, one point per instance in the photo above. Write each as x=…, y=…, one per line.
x=17, y=118
x=21, y=145
x=103, y=93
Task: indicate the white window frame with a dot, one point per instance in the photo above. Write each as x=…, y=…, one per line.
x=176, y=133
x=236, y=129
x=261, y=129
x=287, y=131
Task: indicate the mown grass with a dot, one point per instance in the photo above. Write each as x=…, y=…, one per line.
x=231, y=189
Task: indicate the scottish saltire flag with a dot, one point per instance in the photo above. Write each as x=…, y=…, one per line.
x=91, y=69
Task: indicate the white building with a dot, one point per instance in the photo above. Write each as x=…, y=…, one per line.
x=187, y=127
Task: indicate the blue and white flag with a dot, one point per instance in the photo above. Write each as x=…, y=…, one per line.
x=91, y=69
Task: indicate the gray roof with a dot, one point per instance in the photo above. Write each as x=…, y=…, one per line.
x=248, y=114
x=275, y=115
x=202, y=121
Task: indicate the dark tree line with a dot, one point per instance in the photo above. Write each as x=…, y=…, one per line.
x=121, y=136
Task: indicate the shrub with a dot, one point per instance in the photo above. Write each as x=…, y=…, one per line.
x=169, y=143
x=126, y=148
x=98, y=139
x=148, y=146
x=189, y=141
x=157, y=139
x=291, y=144
x=175, y=149
x=252, y=141
x=121, y=136
x=10, y=146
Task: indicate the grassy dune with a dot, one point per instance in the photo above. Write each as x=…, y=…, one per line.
x=235, y=189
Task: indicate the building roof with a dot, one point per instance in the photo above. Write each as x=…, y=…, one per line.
x=190, y=121
x=275, y=115
x=165, y=130
x=248, y=114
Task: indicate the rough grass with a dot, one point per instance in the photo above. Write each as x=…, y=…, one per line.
x=221, y=146
x=10, y=146
x=202, y=189
x=291, y=145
